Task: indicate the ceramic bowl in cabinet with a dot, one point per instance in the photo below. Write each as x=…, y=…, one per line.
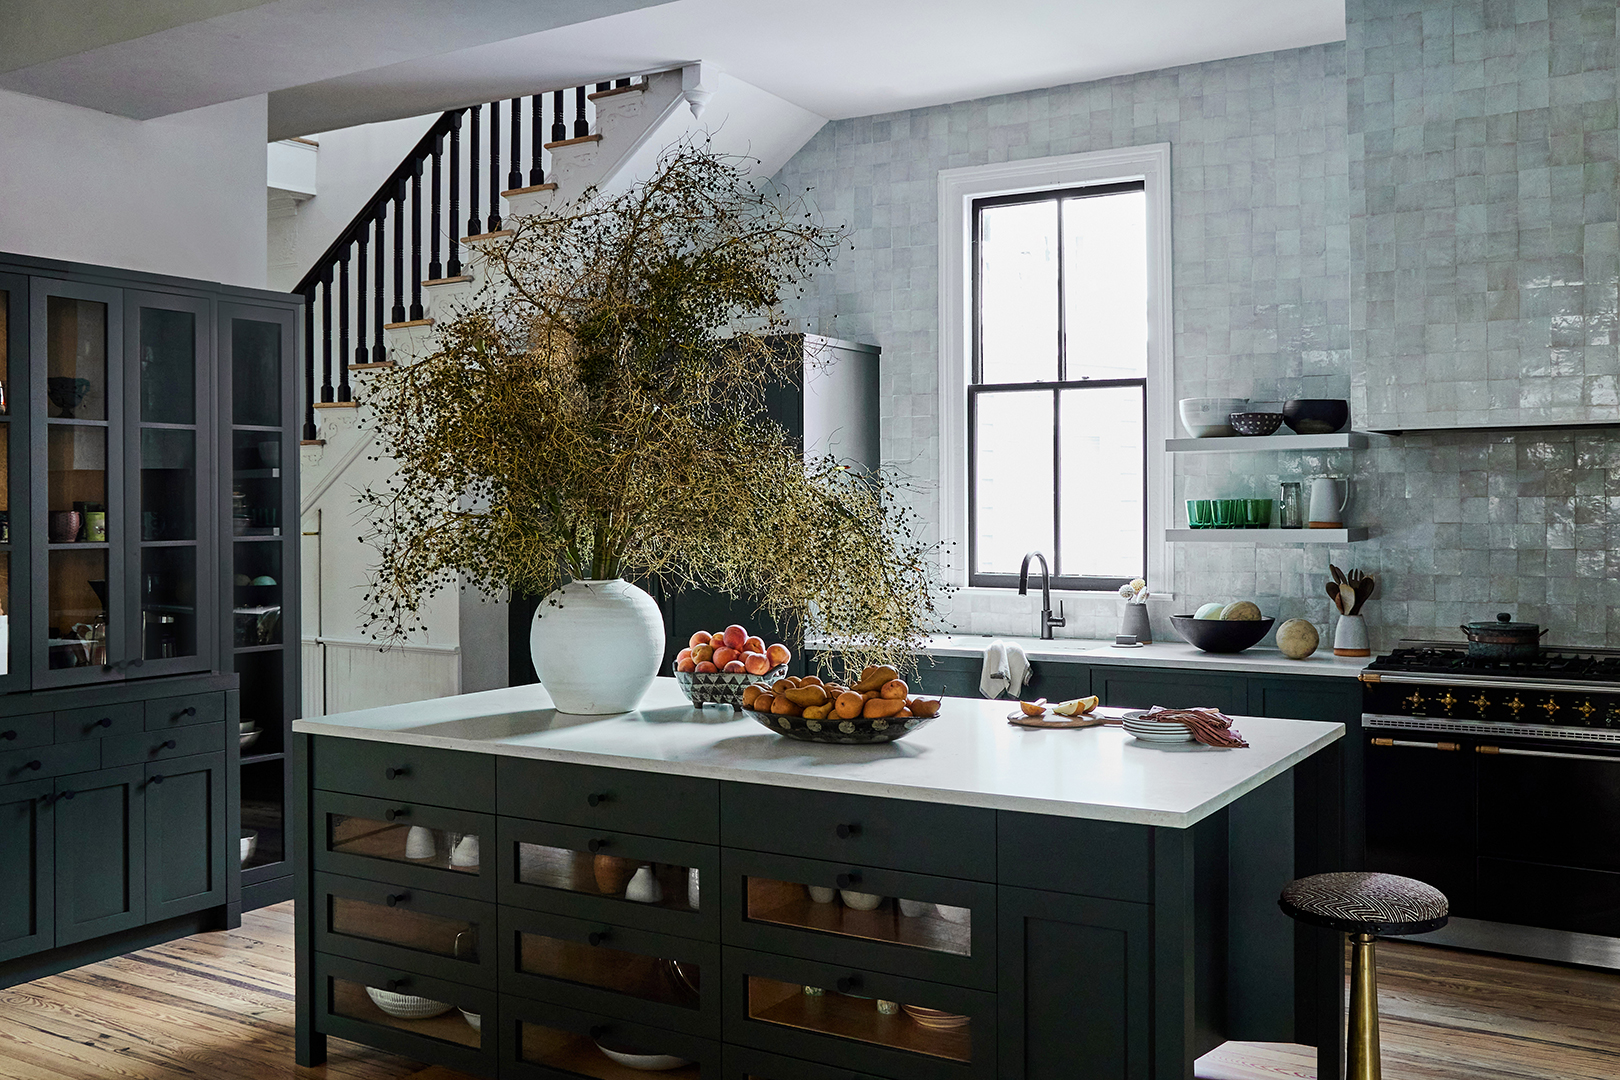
x=1210, y=418
x=406, y=1006
x=635, y=1058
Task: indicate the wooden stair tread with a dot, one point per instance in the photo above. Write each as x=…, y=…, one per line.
x=458, y=279
x=403, y=325
x=372, y=367
x=337, y=404
x=531, y=189
x=311, y=442
x=573, y=142
x=496, y=235
x=633, y=88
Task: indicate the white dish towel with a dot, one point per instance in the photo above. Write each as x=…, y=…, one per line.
x=995, y=676
x=1017, y=668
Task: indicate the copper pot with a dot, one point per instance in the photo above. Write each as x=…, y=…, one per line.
x=1503, y=639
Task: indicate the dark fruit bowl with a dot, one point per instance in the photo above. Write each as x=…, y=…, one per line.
x=856, y=732
x=1256, y=423
x=722, y=687
x=1221, y=635
x=1316, y=416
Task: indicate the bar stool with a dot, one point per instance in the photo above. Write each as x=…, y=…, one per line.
x=1365, y=906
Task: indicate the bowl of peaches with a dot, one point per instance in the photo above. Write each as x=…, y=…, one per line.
x=876, y=708
x=714, y=669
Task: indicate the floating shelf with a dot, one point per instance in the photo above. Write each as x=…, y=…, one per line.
x=1265, y=536
x=1343, y=440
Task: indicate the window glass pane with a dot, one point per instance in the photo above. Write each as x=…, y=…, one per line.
x=1018, y=274
x=168, y=484
x=1100, y=443
x=5, y=360
x=75, y=358
x=1013, y=489
x=256, y=373
x=1105, y=286
x=168, y=366
x=76, y=634
x=168, y=602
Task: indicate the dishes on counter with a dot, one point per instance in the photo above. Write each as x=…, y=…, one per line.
x=1166, y=731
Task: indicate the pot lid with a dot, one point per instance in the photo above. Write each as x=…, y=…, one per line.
x=1504, y=621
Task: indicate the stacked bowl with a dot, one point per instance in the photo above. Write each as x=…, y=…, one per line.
x=1137, y=724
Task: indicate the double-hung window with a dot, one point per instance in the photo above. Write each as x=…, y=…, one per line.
x=1057, y=388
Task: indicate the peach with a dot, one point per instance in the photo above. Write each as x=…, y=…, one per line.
x=778, y=654
x=699, y=638
x=734, y=667
x=684, y=654
x=686, y=663
x=725, y=655
x=717, y=640
x=705, y=668
x=754, y=644
x=736, y=637
x=755, y=663
x=702, y=653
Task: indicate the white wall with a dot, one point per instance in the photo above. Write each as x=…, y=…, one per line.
x=181, y=194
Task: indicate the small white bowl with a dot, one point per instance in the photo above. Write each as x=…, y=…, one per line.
x=861, y=901
x=645, y=1062
x=406, y=1006
x=1211, y=417
x=475, y=1019
x=250, y=844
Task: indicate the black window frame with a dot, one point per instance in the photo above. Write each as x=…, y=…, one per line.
x=1059, y=579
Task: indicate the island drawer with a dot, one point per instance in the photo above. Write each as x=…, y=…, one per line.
x=17, y=732
x=413, y=773
x=925, y=838
x=1036, y=851
x=144, y=746
x=409, y=844
x=165, y=713
x=38, y=762
x=447, y=937
x=746, y=1063
x=857, y=1019
x=923, y=927
x=624, y=800
x=345, y=1009
x=544, y=1041
x=593, y=874
x=619, y=971
x=122, y=719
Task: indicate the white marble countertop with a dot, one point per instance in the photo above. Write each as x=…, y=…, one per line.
x=1173, y=654
x=969, y=756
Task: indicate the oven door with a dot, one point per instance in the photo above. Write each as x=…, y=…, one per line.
x=1421, y=811
x=1549, y=835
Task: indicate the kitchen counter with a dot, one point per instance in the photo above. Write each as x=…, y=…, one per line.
x=969, y=756
x=1168, y=654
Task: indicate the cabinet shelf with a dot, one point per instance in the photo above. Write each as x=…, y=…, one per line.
x=76, y=422
x=1343, y=440
x=257, y=474
x=256, y=759
x=256, y=427
x=80, y=546
x=241, y=649
x=1266, y=536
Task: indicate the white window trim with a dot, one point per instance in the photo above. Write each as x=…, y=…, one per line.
x=958, y=188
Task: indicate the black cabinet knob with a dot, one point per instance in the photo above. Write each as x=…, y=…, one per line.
x=844, y=831
x=104, y=722
x=156, y=779
x=395, y=898
x=848, y=983
x=34, y=765
x=849, y=880
x=392, y=774
x=168, y=744
x=68, y=795
x=397, y=812
x=189, y=710
x=599, y=1032
x=8, y=735
x=596, y=937
x=137, y=662
x=597, y=844
x=396, y=984
x=598, y=798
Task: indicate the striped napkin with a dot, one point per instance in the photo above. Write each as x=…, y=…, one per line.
x=1209, y=726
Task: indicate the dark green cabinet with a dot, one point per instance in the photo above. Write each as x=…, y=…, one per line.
x=1143, y=688
x=27, y=877
x=100, y=852
x=186, y=848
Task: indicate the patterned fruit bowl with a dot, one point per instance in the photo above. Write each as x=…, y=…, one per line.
x=722, y=687
x=876, y=708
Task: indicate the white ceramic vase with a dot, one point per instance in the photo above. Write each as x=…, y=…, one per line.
x=1350, y=637
x=597, y=646
x=643, y=887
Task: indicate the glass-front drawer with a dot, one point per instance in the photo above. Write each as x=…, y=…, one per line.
x=634, y=974
x=449, y=937
x=619, y=878
x=746, y=1063
x=401, y=843
x=546, y=1040
x=404, y=1012
x=924, y=927
x=861, y=1020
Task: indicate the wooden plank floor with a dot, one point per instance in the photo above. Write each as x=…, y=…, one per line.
x=219, y=1006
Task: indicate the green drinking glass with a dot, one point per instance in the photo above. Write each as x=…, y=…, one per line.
x=1200, y=513
x=1229, y=513
x=1257, y=513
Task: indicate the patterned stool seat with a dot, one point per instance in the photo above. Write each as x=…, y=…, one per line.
x=1366, y=903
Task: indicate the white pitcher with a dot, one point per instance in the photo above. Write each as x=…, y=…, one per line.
x=1327, y=505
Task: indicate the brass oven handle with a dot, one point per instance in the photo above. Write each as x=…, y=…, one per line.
x=1513, y=752
x=1418, y=745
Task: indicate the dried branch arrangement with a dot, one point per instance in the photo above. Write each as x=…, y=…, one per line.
x=599, y=413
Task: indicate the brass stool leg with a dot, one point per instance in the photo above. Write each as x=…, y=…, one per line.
x=1362, y=1057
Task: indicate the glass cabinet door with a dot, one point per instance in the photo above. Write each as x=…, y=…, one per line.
x=77, y=397
x=13, y=480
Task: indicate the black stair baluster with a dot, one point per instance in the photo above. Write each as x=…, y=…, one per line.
x=361, y=353
x=309, y=364
x=494, y=218
x=326, y=335
x=582, y=126
x=379, y=346
x=416, y=240
x=514, y=178
x=343, y=326
x=453, y=267
x=399, y=252
x=559, y=130
x=474, y=225
x=435, y=267
x=537, y=172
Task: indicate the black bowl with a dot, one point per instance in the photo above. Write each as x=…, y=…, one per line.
x=1256, y=423
x=1221, y=635
x=1316, y=416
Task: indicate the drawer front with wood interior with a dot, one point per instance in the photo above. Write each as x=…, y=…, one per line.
x=920, y=837
x=543, y=1041
x=404, y=843
x=622, y=879
x=618, y=800
x=125, y=718
x=861, y=1020
x=408, y=773
x=148, y=746
x=406, y=1012
x=172, y=712
x=447, y=937
x=747, y=1063
x=634, y=975
x=916, y=925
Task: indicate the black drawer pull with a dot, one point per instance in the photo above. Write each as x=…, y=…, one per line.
x=189, y=710
x=596, y=844
x=596, y=937
x=169, y=744
x=396, y=984
x=849, y=880
x=66, y=795
x=599, y=1032
x=105, y=721
x=598, y=798
x=394, y=774
x=848, y=983
x=397, y=812
x=34, y=766
x=137, y=662
x=846, y=831
x=8, y=735
x=158, y=779
x=394, y=898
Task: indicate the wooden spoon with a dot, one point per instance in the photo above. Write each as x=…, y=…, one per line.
x=1364, y=590
x=1333, y=594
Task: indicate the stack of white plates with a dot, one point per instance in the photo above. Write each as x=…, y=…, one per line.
x=1155, y=730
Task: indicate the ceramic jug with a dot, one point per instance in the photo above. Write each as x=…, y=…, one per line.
x=1327, y=504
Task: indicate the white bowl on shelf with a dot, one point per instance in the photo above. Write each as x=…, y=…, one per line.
x=1210, y=417
x=250, y=844
x=475, y=1019
x=406, y=1006
x=634, y=1058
